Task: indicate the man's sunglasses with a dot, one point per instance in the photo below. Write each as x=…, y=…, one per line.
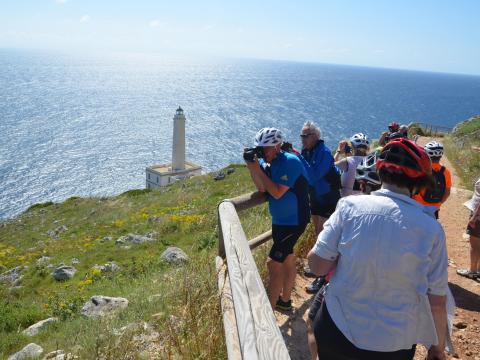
x=303, y=136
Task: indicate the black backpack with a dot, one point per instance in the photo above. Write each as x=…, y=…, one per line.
x=435, y=194
x=333, y=178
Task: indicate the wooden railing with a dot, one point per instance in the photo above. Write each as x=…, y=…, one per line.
x=251, y=331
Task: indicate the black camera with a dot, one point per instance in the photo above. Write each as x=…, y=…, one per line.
x=348, y=149
x=249, y=153
x=288, y=147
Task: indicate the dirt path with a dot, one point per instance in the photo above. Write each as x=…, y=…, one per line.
x=466, y=334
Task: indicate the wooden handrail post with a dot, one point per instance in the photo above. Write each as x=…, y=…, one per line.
x=226, y=301
x=221, y=244
x=248, y=201
x=251, y=330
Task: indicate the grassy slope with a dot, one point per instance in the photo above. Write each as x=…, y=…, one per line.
x=183, y=214
x=458, y=147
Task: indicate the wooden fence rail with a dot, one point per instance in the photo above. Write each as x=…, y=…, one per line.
x=251, y=330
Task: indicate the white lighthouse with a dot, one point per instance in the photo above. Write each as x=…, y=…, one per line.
x=178, y=148
x=179, y=168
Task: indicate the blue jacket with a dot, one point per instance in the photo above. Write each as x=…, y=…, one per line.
x=317, y=163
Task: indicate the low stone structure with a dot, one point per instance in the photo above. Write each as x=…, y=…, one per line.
x=35, y=328
x=32, y=350
x=100, y=305
x=64, y=272
x=174, y=255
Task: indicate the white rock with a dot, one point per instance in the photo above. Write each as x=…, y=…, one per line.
x=35, y=328
x=108, y=267
x=174, y=255
x=55, y=355
x=53, y=233
x=64, y=272
x=100, y=305
x=12, y=276
x=136, y=239
x=30, y=351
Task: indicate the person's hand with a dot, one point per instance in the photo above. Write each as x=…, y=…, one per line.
x=341, y=145
x=436, y=353
x=253, y=165
x=472, y=222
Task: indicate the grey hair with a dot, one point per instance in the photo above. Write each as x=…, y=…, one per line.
x=313, y=128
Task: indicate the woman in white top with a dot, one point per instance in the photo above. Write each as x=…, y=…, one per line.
x=389, y=289
x=473, y=229
x=348, y=165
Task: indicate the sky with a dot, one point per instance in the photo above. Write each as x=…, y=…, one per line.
x=430, y=35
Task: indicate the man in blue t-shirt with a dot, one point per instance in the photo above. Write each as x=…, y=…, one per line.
x=283, y=177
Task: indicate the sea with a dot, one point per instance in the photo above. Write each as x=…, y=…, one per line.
x=89, y=125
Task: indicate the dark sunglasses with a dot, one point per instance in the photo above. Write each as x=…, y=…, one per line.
x=303, y=136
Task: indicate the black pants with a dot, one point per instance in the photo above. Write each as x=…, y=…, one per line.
x=333, y=345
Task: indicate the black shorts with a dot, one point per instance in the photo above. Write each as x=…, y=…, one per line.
x=333, y=345
x=284, y=239
x=324, y=205
x=475, y=230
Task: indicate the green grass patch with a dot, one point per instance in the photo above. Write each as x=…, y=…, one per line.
x=136, y=192
x=460, y=148
x=468, y=127
x=40, y=205
x=183, y=214
x=417, y=129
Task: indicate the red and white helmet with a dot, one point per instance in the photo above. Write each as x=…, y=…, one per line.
x=402, y=155
x=434, y=149
x=393, y=126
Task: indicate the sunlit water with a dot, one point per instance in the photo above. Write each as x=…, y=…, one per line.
x=89, y=126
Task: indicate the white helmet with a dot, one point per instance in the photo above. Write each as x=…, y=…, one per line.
x=359, y=140
x=268, y=137
x=367, y=170
x=434, y=149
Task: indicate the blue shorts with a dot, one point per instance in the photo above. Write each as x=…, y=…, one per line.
x=284, y=239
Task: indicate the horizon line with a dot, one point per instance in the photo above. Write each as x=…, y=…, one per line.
x=72, y=52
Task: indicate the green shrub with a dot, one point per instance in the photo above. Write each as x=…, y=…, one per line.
x=136, y=192
x=207, y=241
x=15, y=316
x=10, y=343
x=65, y=305
x=459, y=148
x=416, y=129
x=468, y=127
x=40, y=205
